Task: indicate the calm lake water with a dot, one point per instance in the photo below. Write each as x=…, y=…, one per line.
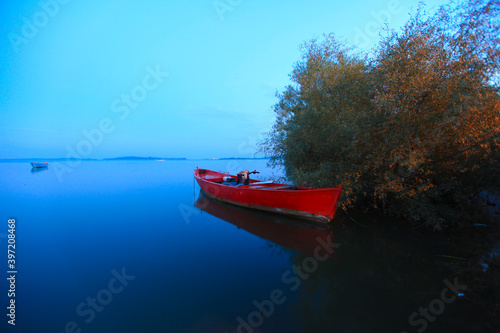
x=132, y=247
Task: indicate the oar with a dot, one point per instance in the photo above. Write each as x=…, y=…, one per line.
x=284, y=187
x=260, y=183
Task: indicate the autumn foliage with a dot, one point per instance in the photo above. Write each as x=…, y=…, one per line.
x=414, y=128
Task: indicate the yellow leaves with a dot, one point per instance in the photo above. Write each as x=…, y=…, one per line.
x=417, y=121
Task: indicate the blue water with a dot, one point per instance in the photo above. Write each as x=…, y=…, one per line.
x=119, y=246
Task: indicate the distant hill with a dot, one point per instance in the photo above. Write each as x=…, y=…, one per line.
x=137, y=158
x=122, y=158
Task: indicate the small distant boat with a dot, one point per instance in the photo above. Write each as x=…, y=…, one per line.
x=304, y=202
x=39, y=164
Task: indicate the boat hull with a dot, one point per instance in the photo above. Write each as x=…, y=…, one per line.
x=40, y=164
x=307, y=203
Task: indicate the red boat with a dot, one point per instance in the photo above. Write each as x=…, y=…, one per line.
x=304, y=202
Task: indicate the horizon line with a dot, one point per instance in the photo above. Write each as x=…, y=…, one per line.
x=127, y=157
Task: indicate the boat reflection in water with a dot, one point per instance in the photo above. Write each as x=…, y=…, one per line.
x=37, y=170
x=290, y=232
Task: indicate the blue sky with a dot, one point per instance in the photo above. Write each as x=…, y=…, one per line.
x=193, y=79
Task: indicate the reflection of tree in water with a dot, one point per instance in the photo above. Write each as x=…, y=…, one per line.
x=380, y=275
x=383, y=275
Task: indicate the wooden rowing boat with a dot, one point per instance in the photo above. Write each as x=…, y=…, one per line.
x=304, y=202
x=39, y=164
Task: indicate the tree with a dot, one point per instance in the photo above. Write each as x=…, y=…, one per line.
x=414, y=129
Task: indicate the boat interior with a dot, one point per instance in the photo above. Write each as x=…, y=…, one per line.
x=254, y=184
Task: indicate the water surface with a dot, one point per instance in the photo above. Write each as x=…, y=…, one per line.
x=130, y=246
